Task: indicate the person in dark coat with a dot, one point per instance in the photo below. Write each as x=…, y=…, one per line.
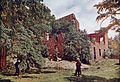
x=78, y=67
x=17, y=67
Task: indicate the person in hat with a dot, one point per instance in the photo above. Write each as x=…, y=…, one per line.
x=78, y=67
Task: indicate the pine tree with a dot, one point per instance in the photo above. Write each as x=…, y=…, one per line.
x=23, y=25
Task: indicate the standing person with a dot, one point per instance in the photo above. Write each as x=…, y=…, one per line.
x=78, y=67
x=17, y=67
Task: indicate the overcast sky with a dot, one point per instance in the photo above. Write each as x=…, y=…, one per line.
x=83, y=10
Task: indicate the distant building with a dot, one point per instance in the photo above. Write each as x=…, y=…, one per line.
x=99, y=40
x=56, y=44
x=99, y=44
x=71, y=18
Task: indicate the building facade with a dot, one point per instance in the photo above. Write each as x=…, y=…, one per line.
x=56, y=44
x=99, y=40
x=99, y=44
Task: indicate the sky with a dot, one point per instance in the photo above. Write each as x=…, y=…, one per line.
x=83, y=9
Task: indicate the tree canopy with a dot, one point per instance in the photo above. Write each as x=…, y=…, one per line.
x=109, y=9
x=23, y=23
x=76, y=41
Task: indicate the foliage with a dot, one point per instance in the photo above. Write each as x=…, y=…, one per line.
x=109, y=9
x=23, y=25
x=76, y=42
x=114, y=44
x=108, y=53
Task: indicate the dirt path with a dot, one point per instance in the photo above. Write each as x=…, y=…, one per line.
x=63, y=64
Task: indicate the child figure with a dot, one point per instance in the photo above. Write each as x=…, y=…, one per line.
x=78, y=67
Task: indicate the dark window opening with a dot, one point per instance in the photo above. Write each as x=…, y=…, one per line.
x=94, y=53
x=99, y=52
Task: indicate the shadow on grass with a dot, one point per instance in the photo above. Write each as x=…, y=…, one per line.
x=8, y=74
x=45, y=72
x=91, y=79
x=28, y=76
x=5, y=80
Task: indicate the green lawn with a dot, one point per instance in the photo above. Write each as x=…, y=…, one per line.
x=47, y=75
x=105, y=68
x=98, y=71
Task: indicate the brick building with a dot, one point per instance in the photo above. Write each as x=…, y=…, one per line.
x=99, y=44
x=99, y=40
x=71, y=18
x=56, y=45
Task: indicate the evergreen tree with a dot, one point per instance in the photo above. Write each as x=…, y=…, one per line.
x=23, y=25
x=76, y=42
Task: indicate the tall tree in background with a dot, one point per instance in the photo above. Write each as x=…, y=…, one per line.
x=110, y=9
x=23, y=25
x=76, y=42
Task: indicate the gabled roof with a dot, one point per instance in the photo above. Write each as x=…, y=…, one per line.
x=70, y=18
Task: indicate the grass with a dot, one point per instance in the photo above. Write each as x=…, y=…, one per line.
x=98, y=71
x=105, y=68
x=47, y=75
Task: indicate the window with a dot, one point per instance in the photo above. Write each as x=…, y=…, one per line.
x=94, y=53
x=99, y=52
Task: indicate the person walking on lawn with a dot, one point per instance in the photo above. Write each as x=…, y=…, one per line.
x=78, y=67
